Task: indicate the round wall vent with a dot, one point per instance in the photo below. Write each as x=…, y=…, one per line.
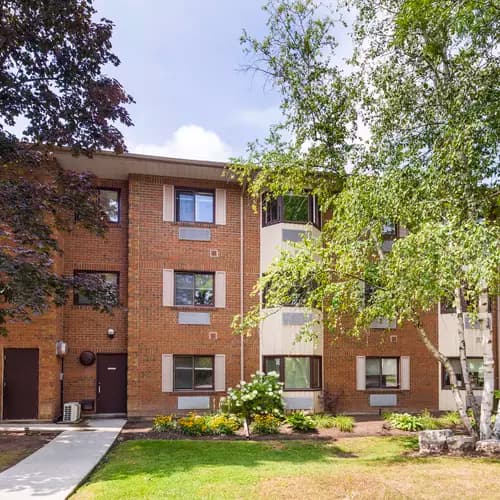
x=87, y=358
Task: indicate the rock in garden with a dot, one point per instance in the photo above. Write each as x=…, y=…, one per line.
x=434, y=441
x=488, y=447
x=460, y=444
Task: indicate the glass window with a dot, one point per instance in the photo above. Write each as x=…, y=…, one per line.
x=194, y=289
x=382, y=373
x=476, y=370
x=109, y=200
x=389, y=230
x=297, y=372
x=82, y=299
x=270, y=212
x=193, y=372
x=194, y=206
x=295, y=208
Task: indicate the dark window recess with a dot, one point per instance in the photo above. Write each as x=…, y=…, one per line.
x=382, y=373
x=194, y=289
x=193, y=373
x=297, y=295
x=297, y=372
x=109, y=200
x=476, y=371
x=82, y=299
x=389, y=230
x=369, y=291
x=299, y=209
x=194, y=206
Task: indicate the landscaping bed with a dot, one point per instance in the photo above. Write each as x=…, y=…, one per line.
x=14, y=446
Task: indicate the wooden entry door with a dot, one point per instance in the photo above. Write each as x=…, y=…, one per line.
x=20, y=384
x=111, y=383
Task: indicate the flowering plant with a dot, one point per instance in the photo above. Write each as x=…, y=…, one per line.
x=163, y=423
x=266, y=424
x=193, y=425
x=261, y=396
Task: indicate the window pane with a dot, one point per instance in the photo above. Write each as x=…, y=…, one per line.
x=271, y=211
x=372, y=372
x=109, y=201
x=183, y=362
x=203, y=379
x=389, y=372
x=316, y=373
x=203, y=362
x=204, y=289
x=272, y=365
x=476, y=370
x=183, y=372
x=184, y=284
x=389, y=230
x=185, y=206
x=295, y=208
x=297, y=373
x=204, y=207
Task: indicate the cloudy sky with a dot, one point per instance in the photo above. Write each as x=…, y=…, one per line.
x=180, y=61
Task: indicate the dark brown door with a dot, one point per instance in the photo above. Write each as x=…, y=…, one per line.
x=111, y=383
x=20, y=384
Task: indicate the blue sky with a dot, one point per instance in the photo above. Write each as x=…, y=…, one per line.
x=180, y=61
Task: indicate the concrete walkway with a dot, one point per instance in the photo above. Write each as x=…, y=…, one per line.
x=55, y=470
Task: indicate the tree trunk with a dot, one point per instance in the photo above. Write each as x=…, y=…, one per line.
x=488, y=364
x=246, y=427
x=461, y=408
x=470, y=400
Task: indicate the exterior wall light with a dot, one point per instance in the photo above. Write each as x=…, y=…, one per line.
x=111, y=333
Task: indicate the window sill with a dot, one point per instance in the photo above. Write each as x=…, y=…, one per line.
x=318, y=389
x=195, y=224
x=193, y=308
x=383, y=389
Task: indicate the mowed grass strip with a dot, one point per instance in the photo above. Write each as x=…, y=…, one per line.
x=374, y=467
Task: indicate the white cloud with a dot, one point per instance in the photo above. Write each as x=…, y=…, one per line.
x=189, y=142
x=260, y=117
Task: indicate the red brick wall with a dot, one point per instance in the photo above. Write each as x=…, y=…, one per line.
x=340, y=366
x=153, y=329
x=84, y=328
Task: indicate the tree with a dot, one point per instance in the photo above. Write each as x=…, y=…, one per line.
x=423, y=77
x=52, y=55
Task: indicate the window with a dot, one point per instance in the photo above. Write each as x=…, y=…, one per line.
x=297, y=372
x=194, y=206
x=109, y=200
x=382, y=373
x=369, y=291
x=389, y=230
x=193, y=373
x=476, y=373
x=194, y=289
x=299, y=209
x=81, y=299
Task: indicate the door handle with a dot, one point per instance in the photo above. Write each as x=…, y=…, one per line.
x=99, y=388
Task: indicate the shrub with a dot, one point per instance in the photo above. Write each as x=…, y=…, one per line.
x=162, y=423
x=450, y=419
x=301, y=422
x=223, y=424
x=266, y=424
x=407, y=422
x=261, y=396
x=324, y=421
x=194, y=425
x=343, y=423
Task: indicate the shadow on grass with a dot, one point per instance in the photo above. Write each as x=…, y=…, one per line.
x=165, y=458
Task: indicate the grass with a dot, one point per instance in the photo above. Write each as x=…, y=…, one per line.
x=373, y=467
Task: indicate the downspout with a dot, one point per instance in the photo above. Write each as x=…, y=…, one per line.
x=242, y=289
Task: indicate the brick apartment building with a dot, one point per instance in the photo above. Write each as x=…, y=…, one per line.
x=185, y=248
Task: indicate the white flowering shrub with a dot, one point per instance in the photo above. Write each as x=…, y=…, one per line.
x=263, y=395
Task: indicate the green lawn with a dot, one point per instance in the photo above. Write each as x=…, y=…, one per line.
x=374, y=467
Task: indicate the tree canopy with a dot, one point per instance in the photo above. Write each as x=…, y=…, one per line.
x=423, y=78
x=53, y=93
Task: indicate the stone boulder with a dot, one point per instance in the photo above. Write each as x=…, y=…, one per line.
x=460, y=444
x=489, y=447
x=434, y=441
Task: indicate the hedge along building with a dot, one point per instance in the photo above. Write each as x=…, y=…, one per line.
x=185, y=248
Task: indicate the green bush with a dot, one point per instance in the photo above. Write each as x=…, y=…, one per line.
x=266, y=424
x=261, y=396
x=413, y=423
x=341, y=422
x=222, y=424
x=301, y=422
x=162, y=423
x=450, y=419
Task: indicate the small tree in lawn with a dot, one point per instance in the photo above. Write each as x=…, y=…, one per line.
x=424, y=79
x=261, y=396
x=52, y=56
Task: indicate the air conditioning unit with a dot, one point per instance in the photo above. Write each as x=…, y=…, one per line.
x=72, y=412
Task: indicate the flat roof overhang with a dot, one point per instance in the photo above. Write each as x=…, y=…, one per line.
x=108, y=165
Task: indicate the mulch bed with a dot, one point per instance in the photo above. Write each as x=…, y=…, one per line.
x=142, y=429
x=14, y=446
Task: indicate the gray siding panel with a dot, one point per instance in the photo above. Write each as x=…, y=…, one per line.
x=195, y=233
x=194, y=318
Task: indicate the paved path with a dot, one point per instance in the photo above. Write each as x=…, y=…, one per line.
x=55, y=470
